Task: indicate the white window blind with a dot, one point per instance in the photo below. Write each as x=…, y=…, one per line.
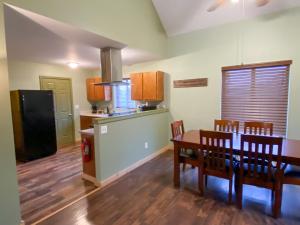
x=122, y=96
x=257, y=92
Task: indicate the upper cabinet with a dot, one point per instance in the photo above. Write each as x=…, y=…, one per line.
x=148, y=86
x=97, y=93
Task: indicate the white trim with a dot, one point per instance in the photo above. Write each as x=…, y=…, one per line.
x=91, y=179
x=139, y=163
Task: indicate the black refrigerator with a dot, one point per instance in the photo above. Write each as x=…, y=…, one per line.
x=33, y=123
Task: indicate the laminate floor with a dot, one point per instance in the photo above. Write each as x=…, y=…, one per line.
x=147, y=196
x=48, y=184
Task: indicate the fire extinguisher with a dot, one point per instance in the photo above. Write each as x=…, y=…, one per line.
x=86, y=150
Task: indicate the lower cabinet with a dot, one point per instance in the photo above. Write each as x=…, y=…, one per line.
x=86, y=122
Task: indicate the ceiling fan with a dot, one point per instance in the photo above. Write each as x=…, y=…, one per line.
x=219, y=3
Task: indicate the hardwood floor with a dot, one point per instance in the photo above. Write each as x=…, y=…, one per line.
x=147, y=196
x=47, y=184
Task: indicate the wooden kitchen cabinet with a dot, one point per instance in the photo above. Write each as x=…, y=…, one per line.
x=86, y=122
x=147, y=86
x=97, y=93
x=136, y=86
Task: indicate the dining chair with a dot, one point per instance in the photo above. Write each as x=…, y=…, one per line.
x=258, y=128
x=290, y=175
x=260, y=149
x=226, y=126
x=214, y=160
x=177, y=128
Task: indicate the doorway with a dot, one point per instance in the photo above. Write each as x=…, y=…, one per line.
x=63, y=102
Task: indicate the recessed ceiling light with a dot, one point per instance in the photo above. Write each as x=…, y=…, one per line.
x=234, y=1
x=73, y=65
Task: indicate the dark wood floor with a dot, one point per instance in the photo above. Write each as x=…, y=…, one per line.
x=48, y=184
x=147, y=196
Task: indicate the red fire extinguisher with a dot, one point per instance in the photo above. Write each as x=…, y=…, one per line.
x=86, y=150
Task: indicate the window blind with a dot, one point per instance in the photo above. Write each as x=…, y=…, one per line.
x=257, y=92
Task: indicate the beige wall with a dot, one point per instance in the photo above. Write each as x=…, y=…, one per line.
x=203, y=53
x=25, y=75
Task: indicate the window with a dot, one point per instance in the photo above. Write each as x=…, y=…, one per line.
x=122, y=96
x=257, y=92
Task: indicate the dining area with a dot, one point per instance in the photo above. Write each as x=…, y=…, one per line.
x=242, y=153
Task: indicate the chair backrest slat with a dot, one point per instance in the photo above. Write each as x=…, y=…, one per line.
x=226, y=126
x=177, y=128
x=257, y=152
x=258, y=128
x=215, y=145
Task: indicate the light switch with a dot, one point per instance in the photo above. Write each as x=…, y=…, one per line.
x=104, y=129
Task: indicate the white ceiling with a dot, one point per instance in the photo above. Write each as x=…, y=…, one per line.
x=32, y=37
x=183, y=16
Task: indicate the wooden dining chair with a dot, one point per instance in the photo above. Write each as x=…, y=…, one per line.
x=226, y=126
x=258, y=128
x=290, y=175
x=260, y=149
x=215, y=146
x=177, y=128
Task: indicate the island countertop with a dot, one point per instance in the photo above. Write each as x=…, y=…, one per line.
x=131, y=115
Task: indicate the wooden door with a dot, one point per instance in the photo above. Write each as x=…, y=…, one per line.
x=149, y=86
x=62, y=90
x=136, y=86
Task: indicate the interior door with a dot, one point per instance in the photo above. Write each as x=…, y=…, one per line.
x=62, y=90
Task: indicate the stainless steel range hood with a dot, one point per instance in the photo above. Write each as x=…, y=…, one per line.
x=111, y=67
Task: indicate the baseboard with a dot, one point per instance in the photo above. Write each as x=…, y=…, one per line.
x=139, y=163
x=91, y=179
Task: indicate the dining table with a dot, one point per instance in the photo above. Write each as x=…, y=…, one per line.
x=191, y=140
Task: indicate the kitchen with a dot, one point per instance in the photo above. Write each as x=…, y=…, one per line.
x=53, y=168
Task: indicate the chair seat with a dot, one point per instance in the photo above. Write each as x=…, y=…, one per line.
x=259, y=170
x=292, y=171
x=189, y=153
x=227, y=165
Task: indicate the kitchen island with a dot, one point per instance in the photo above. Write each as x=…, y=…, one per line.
x=124, y=142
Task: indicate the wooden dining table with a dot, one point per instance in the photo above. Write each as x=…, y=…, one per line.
x=191, y=140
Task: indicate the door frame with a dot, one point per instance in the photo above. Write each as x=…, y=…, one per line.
x=41, y=77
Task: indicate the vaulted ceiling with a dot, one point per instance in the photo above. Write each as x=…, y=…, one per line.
x=36, y=38
x=183, y=16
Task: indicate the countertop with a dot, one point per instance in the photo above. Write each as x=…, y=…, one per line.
x=87, y=131
x=102, y=120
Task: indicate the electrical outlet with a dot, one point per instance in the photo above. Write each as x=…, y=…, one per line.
x=146, y=145
x=104, y=129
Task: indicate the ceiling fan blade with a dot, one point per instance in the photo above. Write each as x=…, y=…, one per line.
x=216, y=5
x=260, y=3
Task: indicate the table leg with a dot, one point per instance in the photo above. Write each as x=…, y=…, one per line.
x=176, y=165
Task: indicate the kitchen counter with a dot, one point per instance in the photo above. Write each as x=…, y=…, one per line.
x=87, y=131
x=123, y=142
x=129, y=115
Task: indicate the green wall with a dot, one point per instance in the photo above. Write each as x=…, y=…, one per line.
x=123, y=145
x=9, y=197
x=203, y=53
x=133, y=22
